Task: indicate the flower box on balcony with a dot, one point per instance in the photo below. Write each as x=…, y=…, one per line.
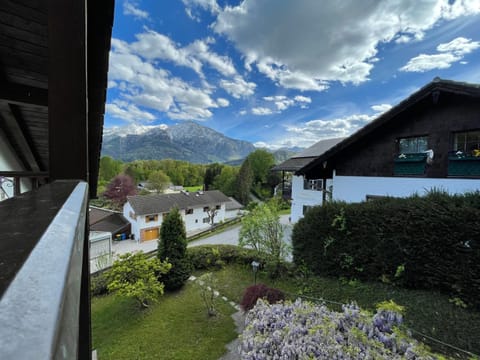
x=463, y=165
x=410, y=164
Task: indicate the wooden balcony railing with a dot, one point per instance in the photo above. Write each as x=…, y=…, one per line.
x=44, y=274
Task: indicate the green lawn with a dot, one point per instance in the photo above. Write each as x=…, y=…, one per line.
x=176, y=328
x=193, y=188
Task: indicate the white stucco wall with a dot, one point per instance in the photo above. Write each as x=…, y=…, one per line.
x=127, y=208
x=193, y=222
x=356, y=188
x=302, y=197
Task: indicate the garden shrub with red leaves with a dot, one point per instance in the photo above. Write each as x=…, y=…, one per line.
x=260, y=291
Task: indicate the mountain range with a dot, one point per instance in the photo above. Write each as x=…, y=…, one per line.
x=186, y=141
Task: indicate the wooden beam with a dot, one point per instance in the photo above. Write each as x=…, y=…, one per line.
x=67, y=90
x=15, y=129
x=20, y=95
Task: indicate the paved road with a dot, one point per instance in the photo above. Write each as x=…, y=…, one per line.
x=231, y=236
x=228, y=237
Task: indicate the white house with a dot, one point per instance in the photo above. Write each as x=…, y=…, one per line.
x=431, y=140
x=146, y=212
x=233, y=209
x=306, y=193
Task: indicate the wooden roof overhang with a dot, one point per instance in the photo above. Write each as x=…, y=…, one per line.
x=53, y=76
x=323, y=165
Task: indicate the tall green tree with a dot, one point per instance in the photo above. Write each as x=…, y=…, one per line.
x=109, y=168
x=158, y=181
x=261, y=162
x=243, y=183
x=212, y=171
x=172, y=247
x=225, y=181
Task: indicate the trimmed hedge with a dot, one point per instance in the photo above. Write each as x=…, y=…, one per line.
x=215, y=256
x=430, y=242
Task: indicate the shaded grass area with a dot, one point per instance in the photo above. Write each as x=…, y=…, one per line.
x=193, y=188
x=429, y=313
x=176, y=328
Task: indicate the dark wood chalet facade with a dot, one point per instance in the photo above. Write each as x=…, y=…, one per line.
x=432, y=135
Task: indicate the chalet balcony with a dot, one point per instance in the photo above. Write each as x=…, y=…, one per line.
x=44, y=273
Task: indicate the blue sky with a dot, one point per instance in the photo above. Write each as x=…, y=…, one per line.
x=282, y=73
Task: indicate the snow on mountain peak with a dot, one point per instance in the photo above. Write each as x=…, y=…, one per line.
x=132, y=129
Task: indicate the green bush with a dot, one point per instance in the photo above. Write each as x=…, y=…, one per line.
x=98, y=284
x=215, y=256
x=430, y=242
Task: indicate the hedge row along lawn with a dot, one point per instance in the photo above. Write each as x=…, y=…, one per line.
x=179, y=328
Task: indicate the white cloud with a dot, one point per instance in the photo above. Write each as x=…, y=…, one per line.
x=145, y=85
x=448, y=53
x=127, y=111
x=459, y=46
x=261, y=111
x=238, y=87
x=130, y=7
x=304, y=99
x=306, y=45
x=282, y=102
x=310, y=132
x=209, y=5
x=223, y=102
x=381, y=108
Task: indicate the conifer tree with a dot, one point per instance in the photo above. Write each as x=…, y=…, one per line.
x=244, y=182
x=172, y=247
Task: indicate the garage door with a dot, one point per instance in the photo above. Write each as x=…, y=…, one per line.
x=149, y=234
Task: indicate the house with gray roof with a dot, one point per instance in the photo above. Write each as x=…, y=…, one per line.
x=306, y=193
x=199, y=210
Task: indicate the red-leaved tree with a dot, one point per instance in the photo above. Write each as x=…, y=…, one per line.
x=119, y=188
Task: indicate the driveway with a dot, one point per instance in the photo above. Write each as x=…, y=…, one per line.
x=228, y=237
x=231, y=236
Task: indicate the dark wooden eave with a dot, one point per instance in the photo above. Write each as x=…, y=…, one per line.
x=432, y=90
x=29, y=56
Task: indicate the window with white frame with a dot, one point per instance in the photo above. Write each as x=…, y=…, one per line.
x=467, y=142
x=411, y=145
x=313, y=184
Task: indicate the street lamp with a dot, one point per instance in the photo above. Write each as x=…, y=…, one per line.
x=255, y=266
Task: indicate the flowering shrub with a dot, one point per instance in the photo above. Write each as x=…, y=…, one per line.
x=260, y=291
x=302, y=330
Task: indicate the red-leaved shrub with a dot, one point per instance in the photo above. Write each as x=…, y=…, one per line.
x=260, y=291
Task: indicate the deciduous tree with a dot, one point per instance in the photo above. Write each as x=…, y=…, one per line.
x=158, y=181
x=262, y=230
x=119, y=188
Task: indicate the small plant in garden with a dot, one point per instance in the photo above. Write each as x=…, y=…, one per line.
x=302, y=330
x=135, y=276
x=260, y=291
x=206, y=285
